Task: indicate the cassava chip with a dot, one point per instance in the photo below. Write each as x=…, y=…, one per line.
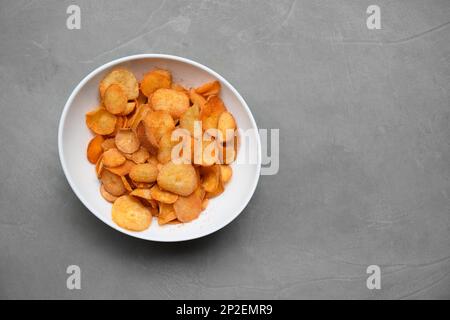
x=216, y=192
x=226, y=125
x=139, y=115
x=131, y=214
x=166, y=213
x=155, y=80
x=127, y=141
x=142, y=193
x=159, y=123
x=126, y=184
x=146, y=138
x=138, y=157
x=113, y=158
x=180, y=179
x=188, y=119
x=188, y=208
x=123, y=78
x=210, y=177
x=209, y=89
x=123, y=169
x=197, y=98
x=95, y=150
x=169, y=100
x=145, y=172
x=128, y=109
x=115, y=99
x=99, y=166
x=163, y=196
x=106, y=195
x=112, y=183
x=101, y=121
x=108, y=144
x=225, y=173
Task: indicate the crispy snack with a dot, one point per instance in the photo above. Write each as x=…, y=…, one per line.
x=155, y=80
x=172, y=101
x=106, y=195
x=163, y=196
x=123, y=169
x=115, y=99
x=112, y=183
x=180, y=179
x=142, y=171
x=123, y=78
x=108, y=144
x=131, y=214
x=94, y=149
x=145, y=172
x=166, y=214
x=159, y=123
x=209, y=89
x=113, y=158
x=227, y=126
x=101, y=121
x=141, y=193
x=127, y=141
x=188, y=208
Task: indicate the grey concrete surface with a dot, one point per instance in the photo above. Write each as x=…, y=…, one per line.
x=364, y=142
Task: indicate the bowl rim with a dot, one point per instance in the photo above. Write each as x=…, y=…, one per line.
x=114, y=62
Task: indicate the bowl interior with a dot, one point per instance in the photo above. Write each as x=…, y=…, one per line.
x=74, y=137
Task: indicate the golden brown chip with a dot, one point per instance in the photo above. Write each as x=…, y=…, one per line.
x=180, y=179
x=108, y=144
x=205, y=203
x=123, y=169
x=142, y=193
x=179, y=87
x=188, y=208
x=106, y=195
x=138, y=157
x=163, y=196
x=115, y=99
x=210, y=177
x=99, y=166
x=197, y=99
x=126, y=184
x=216, y=192
x=172, y=101
x=123, y=78
x=146, y=138
x=159, y=123
x=226, y=125
x=112, y=183
x=225, y=173
x=127, y=141
x=166, y=213
x=145, y=172
x=128, y=109
x=139, y=115
x=131, y=214
x=113, y=158
x=94, y=149
x=101, y=121
x=188, y=119
x=155, y=80
x=209, y=89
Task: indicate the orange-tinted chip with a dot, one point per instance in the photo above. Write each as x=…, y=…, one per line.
x=131, y=214
x=127, y=141
x=146, y=138
x=138, y=157
x=188, y=119
x=112, y=183
x=166, y=213
x=113, y=158
x=139, y=115
x=142, y=193
x=126, y=184
x=128, y=109
x=106, y=195
x=209, y=89
x=163, y=196
x=108, y=144
x=225, y=173
x=123, y=78
x=101, y=121
x=197, y=98
x=210, y=177
x=145, y=172
x=180, y=179
x=188, y=208
x=172, y=101
x=115, y=99
x=95, y=150
x=123, y=169
x=226, y=125
x=155, y=80
x=159, y=123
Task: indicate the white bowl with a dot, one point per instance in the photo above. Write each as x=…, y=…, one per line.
x=73, y=137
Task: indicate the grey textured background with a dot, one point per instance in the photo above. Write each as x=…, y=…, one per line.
x=365, y=158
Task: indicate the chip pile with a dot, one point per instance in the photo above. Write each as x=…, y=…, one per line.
x=133, y=145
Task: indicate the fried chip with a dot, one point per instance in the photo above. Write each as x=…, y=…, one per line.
x=131, y=214
x=205, y=203
x=146, y=138
x=130, y=106
x=197, y=99
x=154, y=80
x=163, y=196
x=101, y=121
x=99, y=166
x=210, y=177
x=123, y=169
x=141, y=193
x=123, y=78
x=115, y=99
x=127, y=141
x=188, y=208
x=138, y=157
x=94, y=149
x=209, y=89
x=225, y=173
x=169, y=100
x=126, y=184
x=108, y=144
x=106, y=195
x=145, y=172
x=159, y=123
x=226, y=125
x=166, y=213
x=219, y=190
x=112, y=183
x=139, y=115
x=113, y=158
x=188, y=118
x=180, y=179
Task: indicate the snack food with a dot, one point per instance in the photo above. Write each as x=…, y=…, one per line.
x=159, y=149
